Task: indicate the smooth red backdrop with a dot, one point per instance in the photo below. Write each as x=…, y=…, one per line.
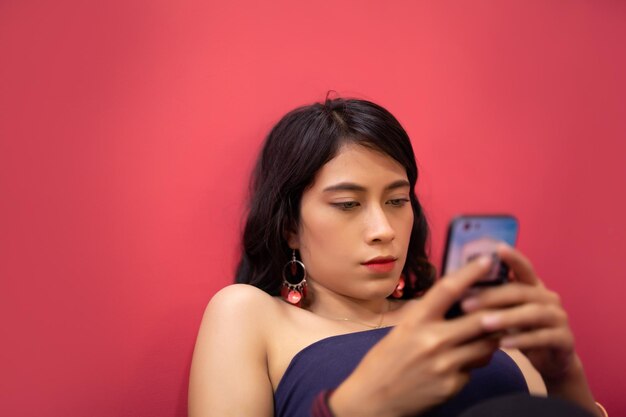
x=128, y=130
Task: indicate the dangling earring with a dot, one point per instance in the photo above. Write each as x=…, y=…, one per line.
x=397, y=293
x=292, y=292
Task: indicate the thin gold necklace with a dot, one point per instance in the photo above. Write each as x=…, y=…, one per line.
x=377, y=326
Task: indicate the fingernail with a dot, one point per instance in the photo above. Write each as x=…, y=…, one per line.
x=503, y=246
x=490, y=321
x=484, y=260
x=469, y=304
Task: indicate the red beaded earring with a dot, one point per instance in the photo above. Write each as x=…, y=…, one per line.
x=294, y=285
x=397, y=293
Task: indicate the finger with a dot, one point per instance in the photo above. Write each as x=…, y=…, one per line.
x=473, y=354
x=527, y=316
x=554, y=338
x=450, y=333
x=451, y=288
x=518, y=263
x=508, y=295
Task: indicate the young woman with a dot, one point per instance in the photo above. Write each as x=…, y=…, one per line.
x=335, y=307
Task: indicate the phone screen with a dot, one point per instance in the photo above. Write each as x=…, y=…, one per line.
x=472, y=236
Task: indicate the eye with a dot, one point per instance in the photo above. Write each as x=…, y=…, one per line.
x=398, y=202
x=346, y=205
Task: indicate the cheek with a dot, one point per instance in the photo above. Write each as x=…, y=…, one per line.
x=403, y=216
x=324, y=234
x=325, y=244
x=404, y=226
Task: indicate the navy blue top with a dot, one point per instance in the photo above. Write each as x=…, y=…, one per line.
x=326, y=363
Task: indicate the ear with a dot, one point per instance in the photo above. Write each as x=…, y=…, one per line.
x=292, y=238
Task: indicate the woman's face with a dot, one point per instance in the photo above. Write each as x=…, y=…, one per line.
x=355, y=224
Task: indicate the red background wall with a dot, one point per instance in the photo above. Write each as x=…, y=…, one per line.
x=128, y=130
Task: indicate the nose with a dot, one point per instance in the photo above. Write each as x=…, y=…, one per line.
x=378, y=227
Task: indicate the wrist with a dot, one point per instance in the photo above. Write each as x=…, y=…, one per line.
x=573, y=373
x=572, y=385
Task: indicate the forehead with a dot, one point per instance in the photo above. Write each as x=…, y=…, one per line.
x=355, y=163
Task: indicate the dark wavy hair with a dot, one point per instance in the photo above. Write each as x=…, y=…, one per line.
x=296, y=148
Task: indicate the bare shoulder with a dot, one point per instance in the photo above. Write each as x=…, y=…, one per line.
x=240, y=299
x=239, y=313
x=230, y=356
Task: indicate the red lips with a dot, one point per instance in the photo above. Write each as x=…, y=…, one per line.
x=380, y=264
x=380, y=260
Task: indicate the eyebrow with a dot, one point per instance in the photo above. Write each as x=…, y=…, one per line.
x=350, y=186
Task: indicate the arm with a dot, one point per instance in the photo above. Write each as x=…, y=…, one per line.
x=229, y=369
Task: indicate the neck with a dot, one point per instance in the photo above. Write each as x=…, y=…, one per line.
x=335, y=306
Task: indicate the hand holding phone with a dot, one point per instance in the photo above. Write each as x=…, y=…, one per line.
x=470, y=236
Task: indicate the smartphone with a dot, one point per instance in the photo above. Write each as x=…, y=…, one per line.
x=470, y=236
